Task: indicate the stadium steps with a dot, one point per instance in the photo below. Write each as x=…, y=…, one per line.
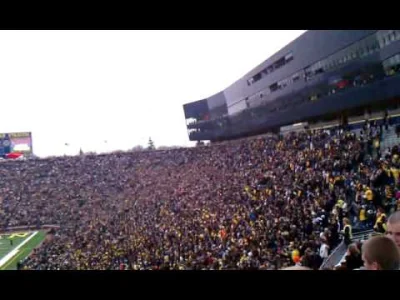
x=357, y=132
x=389, y=139
x=339, y=253
x=361, y=237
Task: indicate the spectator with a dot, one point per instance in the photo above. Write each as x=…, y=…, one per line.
x=380, y=224
x=381, y=253
x=362, y=216
x=393, y=228
x=311, y=260
x=347, y=231
x=325, y=235
x=324, y=249
x=353, y=259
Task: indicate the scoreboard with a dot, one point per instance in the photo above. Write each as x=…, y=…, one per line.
x=16, y=142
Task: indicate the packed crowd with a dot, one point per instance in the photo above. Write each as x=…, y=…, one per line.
x=265, y=203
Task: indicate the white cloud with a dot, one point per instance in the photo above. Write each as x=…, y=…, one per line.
x=84, y=87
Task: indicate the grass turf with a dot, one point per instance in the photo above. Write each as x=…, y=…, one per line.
x=23, y=252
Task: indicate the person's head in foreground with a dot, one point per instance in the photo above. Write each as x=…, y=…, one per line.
x=381, y=253
x=353, y=250
x=393, y=228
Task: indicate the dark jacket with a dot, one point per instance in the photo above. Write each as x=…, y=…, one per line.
x=354, y=262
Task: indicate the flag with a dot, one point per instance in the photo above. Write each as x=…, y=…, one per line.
x=14, y=155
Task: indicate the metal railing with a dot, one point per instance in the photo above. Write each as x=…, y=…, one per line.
x=364, y=235
x=340, y=251
x=334, y=257
x=27, y=228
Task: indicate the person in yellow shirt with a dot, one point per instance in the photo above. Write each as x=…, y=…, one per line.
x=395, y=158
x=380, y=224
x=395, y=173
x=377, y=143
x=347, y=231
x=369, y=195
x=331, y=184
x=362, y=216
x=389, y=193
x=340, y=203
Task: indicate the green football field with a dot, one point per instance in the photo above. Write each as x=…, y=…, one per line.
x=16, y=246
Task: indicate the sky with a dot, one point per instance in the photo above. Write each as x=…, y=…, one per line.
x=87, y=87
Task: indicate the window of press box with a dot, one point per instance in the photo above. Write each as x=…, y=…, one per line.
x=254, y=79
x=308, y=71
x=392, y=36
x=394, y=60
x=392, y=65
x=257, y=77
x=360, y=52
x=273, y=87
x=360, y=49
x=279, y=63
x=386, y=37
x=276, y=65
x=288, y=57
x=269, y=69
x=282, y=84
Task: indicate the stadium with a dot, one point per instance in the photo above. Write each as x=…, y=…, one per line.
x=320, y=78
x=301, y=172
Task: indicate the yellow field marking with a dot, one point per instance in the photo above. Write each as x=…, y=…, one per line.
x=20, y=235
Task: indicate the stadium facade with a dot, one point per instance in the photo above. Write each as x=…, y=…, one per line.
x=322, y=76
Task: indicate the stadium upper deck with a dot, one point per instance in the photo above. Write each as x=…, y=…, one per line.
x=322, y=75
